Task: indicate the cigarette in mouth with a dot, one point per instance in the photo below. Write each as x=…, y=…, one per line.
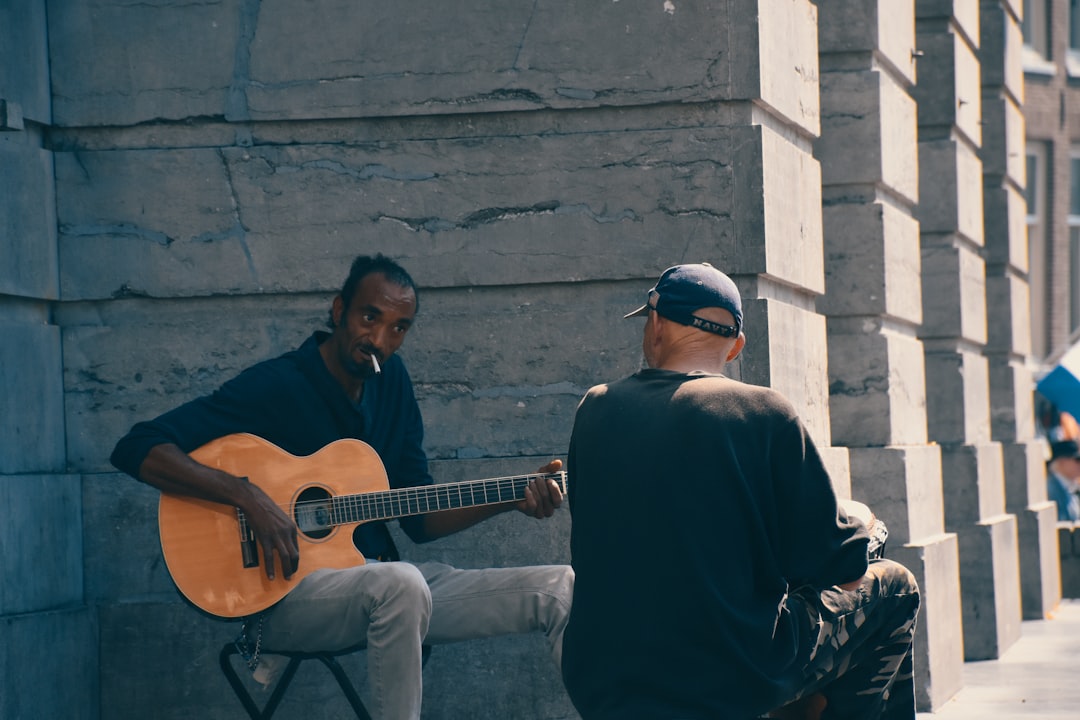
x=375, y=363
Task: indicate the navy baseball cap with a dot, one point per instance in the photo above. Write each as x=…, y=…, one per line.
x=684, y=289
x=1064, y=449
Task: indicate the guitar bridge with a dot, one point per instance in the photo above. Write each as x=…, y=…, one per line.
x=249, y=550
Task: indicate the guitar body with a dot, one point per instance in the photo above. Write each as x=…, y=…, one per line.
x=202, y=541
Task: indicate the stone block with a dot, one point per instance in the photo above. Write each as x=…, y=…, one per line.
x=876, y=388
x=1001, y=49
x=785, y=58
x=150, y=62
x=31, y=384
x=1005, y=227
x=939, y=644
x=776, y=210
x=28, y=206
x=957, y=397
x=122, y=548
x=1040, y=566
x=868, y=133
x=960, y=15
x=1009, y=308
x=974, y=484
x=950, y=189
x=456, y=211
x=837, y=462
x=903, y=487
x=1002, y=151
x=255, y=62
x=49, y=663
x=990, y=587
x=24, y=74
x=786, y=350
x=40, y=543
x=1012, y=406
x=949, y=92
x=883, y=28
x=953, y=292
x=872, y=262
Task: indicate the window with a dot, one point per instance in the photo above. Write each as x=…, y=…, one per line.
x=1038, y=270
x=1036, y=29
x=1074, y=27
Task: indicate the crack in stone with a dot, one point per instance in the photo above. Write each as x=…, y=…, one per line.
x=237, y=102
x=122, y=229
x=488, y=216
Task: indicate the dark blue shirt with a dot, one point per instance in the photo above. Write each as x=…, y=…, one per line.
x=295, y=403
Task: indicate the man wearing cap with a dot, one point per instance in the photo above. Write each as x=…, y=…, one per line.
x=1062, y=476
x=716, y=574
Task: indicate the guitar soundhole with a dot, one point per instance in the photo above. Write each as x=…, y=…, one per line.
x=313, y=512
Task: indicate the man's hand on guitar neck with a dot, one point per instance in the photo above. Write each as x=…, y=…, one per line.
x=171, y=470
x=542, y=496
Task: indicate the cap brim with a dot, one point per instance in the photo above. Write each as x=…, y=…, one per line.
x=643, y=310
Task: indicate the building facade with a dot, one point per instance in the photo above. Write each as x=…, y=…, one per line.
x=182, y=187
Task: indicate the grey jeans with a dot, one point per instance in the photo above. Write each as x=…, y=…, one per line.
x=393, y=608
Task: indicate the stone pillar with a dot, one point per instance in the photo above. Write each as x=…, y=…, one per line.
x=954, y=330
x=1008, y=346
x=777, y=254
x=868, y=151
x=47, y=649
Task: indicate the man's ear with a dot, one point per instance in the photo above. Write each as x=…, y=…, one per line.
x=740, y=342
x=337, y=310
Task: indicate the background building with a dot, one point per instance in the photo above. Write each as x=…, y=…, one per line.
x=182, y=186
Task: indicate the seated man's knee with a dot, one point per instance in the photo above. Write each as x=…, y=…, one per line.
x=403, y=585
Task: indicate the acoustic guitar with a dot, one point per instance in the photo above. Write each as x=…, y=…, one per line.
x=213, y=556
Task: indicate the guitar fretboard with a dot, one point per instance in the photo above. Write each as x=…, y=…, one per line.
x=387, y=504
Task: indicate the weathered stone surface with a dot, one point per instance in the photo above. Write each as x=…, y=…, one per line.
x=883, y=28
x=949, y=92
x=28, y=213
x=786, y=75
x=788, y=350
x=49, y=663
x=1001, y=49
x=903, y=486
x=990, y=584
x=939, y=633
x=1006, y=231
x=40, y=543
x=1012, y=405
x=868, y=133
x=24, y=74
x=274, y=219
x=974, y=484
x=876, y=389
x=1002, y=151
x=32, y=388
x=953, y=292
x=247, y=60
x=957, y=397
x=1041, y=568
x=950, y=189
x=872, y=262
x=1009, y=315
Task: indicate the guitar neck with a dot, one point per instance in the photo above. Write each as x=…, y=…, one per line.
x=402, y=502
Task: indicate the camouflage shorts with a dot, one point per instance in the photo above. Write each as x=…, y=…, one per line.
x=861, y=658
